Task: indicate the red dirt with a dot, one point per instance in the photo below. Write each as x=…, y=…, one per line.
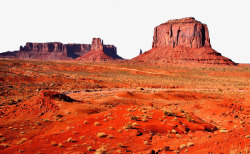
x=142, y=112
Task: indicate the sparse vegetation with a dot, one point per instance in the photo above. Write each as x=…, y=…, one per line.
x=101, y=150
x=189, y=118
x=121, y=145
x=22, y=141
x=183, y=146
x=110, y=136
x=169, y=113
x=90, y=148
x=53, y=143
x=97, y=124
x=128, y=126
x=60, y=145
x=70, y=140
x=101, y=135
x=113, y=99
x=133, y=117
x=82, y=137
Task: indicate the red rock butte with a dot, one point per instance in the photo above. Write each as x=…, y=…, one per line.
x=100, y=52
x=180, y=41
x=60, y=51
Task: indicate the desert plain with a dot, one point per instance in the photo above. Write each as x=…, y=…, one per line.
x=123, y=107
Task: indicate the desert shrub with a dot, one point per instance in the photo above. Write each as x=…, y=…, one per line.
x=135, y=124
x=101, y=150
x=90, y=148
x=169, y=113
x=82, y=137
x=120, y=144
x=53, y=143
x=97, y=124
x=189, y=118
x=133, y=117
x=101, y=135
x=70, y=140
x=128, y=126
x=22, y=141
x=110, y=136
x=183, y=146
x=119, y=130
x=60, y=145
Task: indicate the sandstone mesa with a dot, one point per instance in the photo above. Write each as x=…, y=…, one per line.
x=183, y=40
x=58, y=51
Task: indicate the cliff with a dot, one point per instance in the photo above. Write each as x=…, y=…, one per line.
x=59, y=51
x=186, y=32
x=100, y=52
x=180, y=41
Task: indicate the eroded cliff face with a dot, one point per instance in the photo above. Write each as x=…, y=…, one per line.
x=44, y=47
x=186, y=32
x=100, y=52
x=97, y=44
x=60, y=51
x=181, y=41
x=77, y=50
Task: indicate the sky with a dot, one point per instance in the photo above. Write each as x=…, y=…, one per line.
x=127, y=24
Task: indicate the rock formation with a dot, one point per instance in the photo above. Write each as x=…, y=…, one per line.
x=140, y=52
x=44, y=47
x=59, y=51
x=97, y=44
x=180, y=41
x=77, y=50
x=186, y=32
x=100, y=52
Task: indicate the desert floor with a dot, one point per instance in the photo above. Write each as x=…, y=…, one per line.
x=123, y=107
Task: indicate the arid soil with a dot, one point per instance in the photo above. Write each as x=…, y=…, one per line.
x=123, y=107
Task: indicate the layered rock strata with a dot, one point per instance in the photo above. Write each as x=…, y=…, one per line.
x=180, y=41
x=100, y=52
x=59, y=51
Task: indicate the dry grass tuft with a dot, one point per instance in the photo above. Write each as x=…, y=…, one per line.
x=90, y=148
x=101, y=150
x=97, y=124
x=169, y=113
x=53, y=143
x=133, y=117
x=101, y=135
x=121, y=145
x=22, y=141
x=128, y=126
x=60, y=145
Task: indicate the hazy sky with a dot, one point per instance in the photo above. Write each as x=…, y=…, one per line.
x=128, y=24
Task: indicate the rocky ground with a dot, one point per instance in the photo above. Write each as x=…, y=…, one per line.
x=121, y=107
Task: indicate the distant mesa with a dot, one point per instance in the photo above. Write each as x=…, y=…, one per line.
x=100, y=52
x=59, y=51
x=176, y=41
x=181, y=41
